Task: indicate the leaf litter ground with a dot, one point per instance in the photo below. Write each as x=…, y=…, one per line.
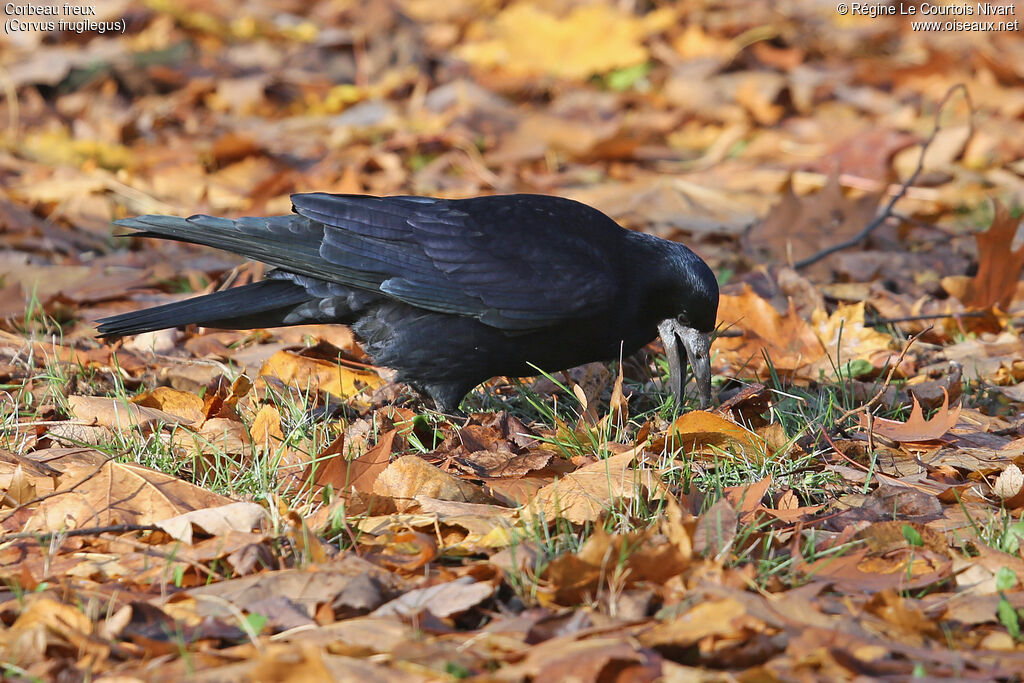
x=263, y=505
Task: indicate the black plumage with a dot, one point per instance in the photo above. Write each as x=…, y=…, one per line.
x=451, y=292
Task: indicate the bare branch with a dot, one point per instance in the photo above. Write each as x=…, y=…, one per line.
x=887, y=212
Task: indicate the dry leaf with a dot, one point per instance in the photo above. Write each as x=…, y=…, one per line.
x=1009, y=486
x=184, y=404
x=589, y=493
x=999, y=266
x=120, y=415
x=412, y=476
x=118, y=493
x=313, y=373
x=215, y=521
x=526, y=40
x=710, y=433
x=798, y=227
x=442, y=600
x=716, y=530
x=916, y=428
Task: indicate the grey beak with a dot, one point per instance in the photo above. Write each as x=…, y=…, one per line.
x=698, y=351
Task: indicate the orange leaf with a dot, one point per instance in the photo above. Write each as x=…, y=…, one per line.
x=314, y=373
x=788, y=339
x=916, y=428
x=999, y=267
x=699, y=429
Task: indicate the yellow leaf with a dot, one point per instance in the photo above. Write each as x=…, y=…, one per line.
x=525, y=40
x=313, y=373
x=702, y=431
x=845, y=336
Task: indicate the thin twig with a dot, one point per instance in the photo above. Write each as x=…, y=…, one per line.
x=59, y=492
x=885, y=384
x=886, y=213
x=882, y=476
x=878, y=322
x=84, y=531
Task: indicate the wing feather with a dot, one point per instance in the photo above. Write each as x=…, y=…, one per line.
x=515, y=262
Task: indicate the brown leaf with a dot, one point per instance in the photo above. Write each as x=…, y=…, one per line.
x=21, y=489
x=118, y=493
x=798, y=227
x=217, y=436
x=305, y=372
x=788, y=339
x=407, y=551
x=120, y=415
x=916, y=428
x=904, y=569
x=412, y=476
x=746, y=499
x=589, y=493
x=1009, y=486
x=641, y=556
x=504, y=463
x=47, y=622
x=706, y=618
x=699, y=430
x=999, y=266
x=184, y=404
x=215, y=521
x=442, y=600
x=866, y=154
x=331, y=467
x=716, y=529
x=266, y=430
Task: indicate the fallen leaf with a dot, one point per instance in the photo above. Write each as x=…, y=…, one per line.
x=215, y=521
x=120, y=415
x=798, y=227
x=412, y=476
x=716, y=529
x=788, y=339
x=313, y=373
x=999, y=266
x=916, y=428
x=118, y=493
x=1009, y=486
x=442, y=600
x=527, y=40
x=711, y=434
x=589, y=493
x=706, y=618
x=640, y=557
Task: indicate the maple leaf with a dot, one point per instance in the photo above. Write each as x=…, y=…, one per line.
x=916, y=428
x=999, y=267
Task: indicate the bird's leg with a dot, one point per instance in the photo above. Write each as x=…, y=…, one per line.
x=446, y=397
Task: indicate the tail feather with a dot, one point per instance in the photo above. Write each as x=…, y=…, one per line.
x=268, y=240
x=290, y=242
x=260, y=304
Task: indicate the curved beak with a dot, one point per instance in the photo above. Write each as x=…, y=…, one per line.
x=698, y=352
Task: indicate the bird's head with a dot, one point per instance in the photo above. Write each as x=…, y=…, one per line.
x=692, y=299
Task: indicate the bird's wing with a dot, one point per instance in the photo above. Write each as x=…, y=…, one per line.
x=516, y=262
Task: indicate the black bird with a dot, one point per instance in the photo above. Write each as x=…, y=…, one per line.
x=452, y=292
